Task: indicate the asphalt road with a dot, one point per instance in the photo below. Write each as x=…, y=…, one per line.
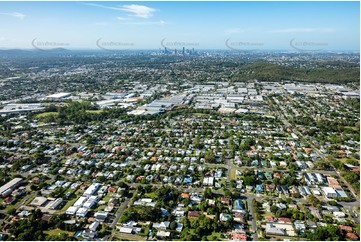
x=117, y=217
x=254, y=222
x=119, y=213
x=229, y=167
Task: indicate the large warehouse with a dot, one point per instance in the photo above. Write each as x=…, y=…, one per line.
x=7, y=189
x=59, y=96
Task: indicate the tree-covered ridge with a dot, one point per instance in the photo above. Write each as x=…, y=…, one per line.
x=272, y=72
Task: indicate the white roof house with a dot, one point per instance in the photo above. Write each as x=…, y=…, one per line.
x=94, y=226
x=56, y=203
x=125, y=230
x=59, y=95
x=329, y=192
x=208, y=181
x=71, y=210
x=80, y=201
x=92, y=189
x=163, y=233
x=92, y=200
x=82, y=212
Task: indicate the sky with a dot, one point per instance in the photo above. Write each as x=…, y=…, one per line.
x=199, y=25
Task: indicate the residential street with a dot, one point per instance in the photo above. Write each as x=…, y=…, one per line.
x=254, y=222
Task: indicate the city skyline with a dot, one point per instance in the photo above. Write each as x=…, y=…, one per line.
x=309, y=26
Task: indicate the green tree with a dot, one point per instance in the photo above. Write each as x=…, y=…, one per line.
x=210, y=157
x=249, y=180
x=173, y=225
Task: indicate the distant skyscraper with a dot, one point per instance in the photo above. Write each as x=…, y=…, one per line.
x=183, y=51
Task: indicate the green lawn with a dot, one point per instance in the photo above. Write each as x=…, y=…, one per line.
x=46, y=114
x=132, y=237
x=214, y=236
x=108, y=196
x=69, y=204
x=94, y=111
x=151, y=195
x=101, y=208
x=347, y=159
x=14, y=205
x=353, y=128
x=58, y=231
x=233, y=174
x=200, y=114
x=267, y=213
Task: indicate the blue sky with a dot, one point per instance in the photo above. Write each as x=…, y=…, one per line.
x=199, y=25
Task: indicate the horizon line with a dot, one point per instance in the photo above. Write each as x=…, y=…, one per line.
x=171, y=50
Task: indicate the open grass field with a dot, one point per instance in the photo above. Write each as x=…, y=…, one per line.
x=214, y=236
x=46, y=114
x=129, y=237
x=69, y=203
x=233, y=174
x=58, y=231
x=151, y=195
x=94, y=111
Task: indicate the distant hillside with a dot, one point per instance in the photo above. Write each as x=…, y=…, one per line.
x=32, y=52
x=273, y=72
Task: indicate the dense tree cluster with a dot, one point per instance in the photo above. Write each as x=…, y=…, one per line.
x=199, y=229
x=328, y=232
x=272, y=72
x=141, y=214
x=353, y=178
x=80, y=113
x=33, y=228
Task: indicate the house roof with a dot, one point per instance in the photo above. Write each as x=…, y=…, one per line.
x=194, y=214
x=163, y=234
x=285, y=220
x=270, y=218
x=8, y=200
x=226, y=200
x=239, y=236
x=125, y=230
x=112, y=189
x=351, y=236
x=346, y=228
x=185, y=195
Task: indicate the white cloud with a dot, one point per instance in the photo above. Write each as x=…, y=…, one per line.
x=15, y=15
x=123, y=19
x=303, y=30
x=139, y=10
x=101, y=6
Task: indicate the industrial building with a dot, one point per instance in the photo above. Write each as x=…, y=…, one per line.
x=329, y=192
x=56, y=203
x=59, y=96
x=8, y=188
